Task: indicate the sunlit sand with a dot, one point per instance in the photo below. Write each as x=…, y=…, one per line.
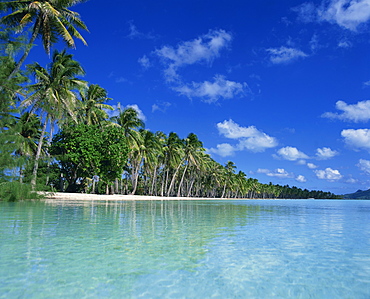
x=117, y=197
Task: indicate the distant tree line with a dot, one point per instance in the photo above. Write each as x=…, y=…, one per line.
x=56, y=135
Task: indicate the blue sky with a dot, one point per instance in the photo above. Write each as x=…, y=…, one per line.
x=281, y=88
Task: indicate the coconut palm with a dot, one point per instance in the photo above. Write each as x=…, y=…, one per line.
x=151, y=151
x=91, y=109
x=129, y=120
x=28, y=131
x=49, y=19
x=174, y=153
x=54, y=94
x=193, y=148
x=229, y=171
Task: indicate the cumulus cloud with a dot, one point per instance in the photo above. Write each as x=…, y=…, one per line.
x=311, y=166
x=223, y=150
x=203, y=49
x=358, y=139
x=325, y=153
x=364, y=165
x=249, y=138
x=359, y=112
x=291, y=154
x=301, y=179
x=348, y=14
x=213, y=91
x=328, y=174
x=285, y=55
x=279, y=172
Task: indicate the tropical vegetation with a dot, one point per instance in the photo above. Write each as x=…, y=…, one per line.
x=56, y=133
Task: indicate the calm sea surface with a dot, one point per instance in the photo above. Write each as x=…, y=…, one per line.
x=185, y=249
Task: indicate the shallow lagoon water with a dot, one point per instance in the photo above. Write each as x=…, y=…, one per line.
x=185, y=249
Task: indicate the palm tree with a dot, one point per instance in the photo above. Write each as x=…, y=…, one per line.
x=91, y=108
x=193, y=148
x=28, y=133
x=54, y=94
x=229, y=171
x=173, y=157
x=48, y=19
x=151, y=151
x=129, y=120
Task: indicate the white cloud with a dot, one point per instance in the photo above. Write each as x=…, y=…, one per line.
x=279, y=172
x=311, y=166
x=135, y=33
x=163, y=106
x=344, y=44
x=364, y=165
x=348, y=14
x=351, y=181
x=325, y=153
x=285, y=55
x=359, y=112
x=121, y=80
x=250, y=138
x=144, y=62
x=213, y=91
x=314, y=43
x=301, y=179
x=328, y=174
x=202, y=49
x=291, y=153
x=358, y=139
x=223, y=150
x=307, y=12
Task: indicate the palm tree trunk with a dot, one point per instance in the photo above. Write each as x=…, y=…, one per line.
x=38, y=153
x=173, y=179
x=28, y=49
x=48, y=154
x=181, y=181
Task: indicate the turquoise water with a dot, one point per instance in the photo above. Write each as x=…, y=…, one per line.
x=185, y=249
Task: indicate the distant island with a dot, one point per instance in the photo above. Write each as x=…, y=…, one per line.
x=359, y=194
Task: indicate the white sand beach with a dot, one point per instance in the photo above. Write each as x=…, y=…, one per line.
x=116, y=197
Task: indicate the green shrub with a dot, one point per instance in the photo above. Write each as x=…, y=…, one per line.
x=15, y=191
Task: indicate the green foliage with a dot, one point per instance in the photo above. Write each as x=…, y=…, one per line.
x=359, y=194
x=15, y=191
x=86, y=150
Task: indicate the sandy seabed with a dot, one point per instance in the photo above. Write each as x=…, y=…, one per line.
x=88, y=197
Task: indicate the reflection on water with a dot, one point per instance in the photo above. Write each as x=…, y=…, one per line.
x=192, y=249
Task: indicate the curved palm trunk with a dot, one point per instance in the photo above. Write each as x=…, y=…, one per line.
x=28, y=49
x=48, y=154
x=173, y=179
x=135, y=176
x=38, y=154
x=181, y=181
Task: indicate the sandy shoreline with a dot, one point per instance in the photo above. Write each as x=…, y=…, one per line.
x=116, y=197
